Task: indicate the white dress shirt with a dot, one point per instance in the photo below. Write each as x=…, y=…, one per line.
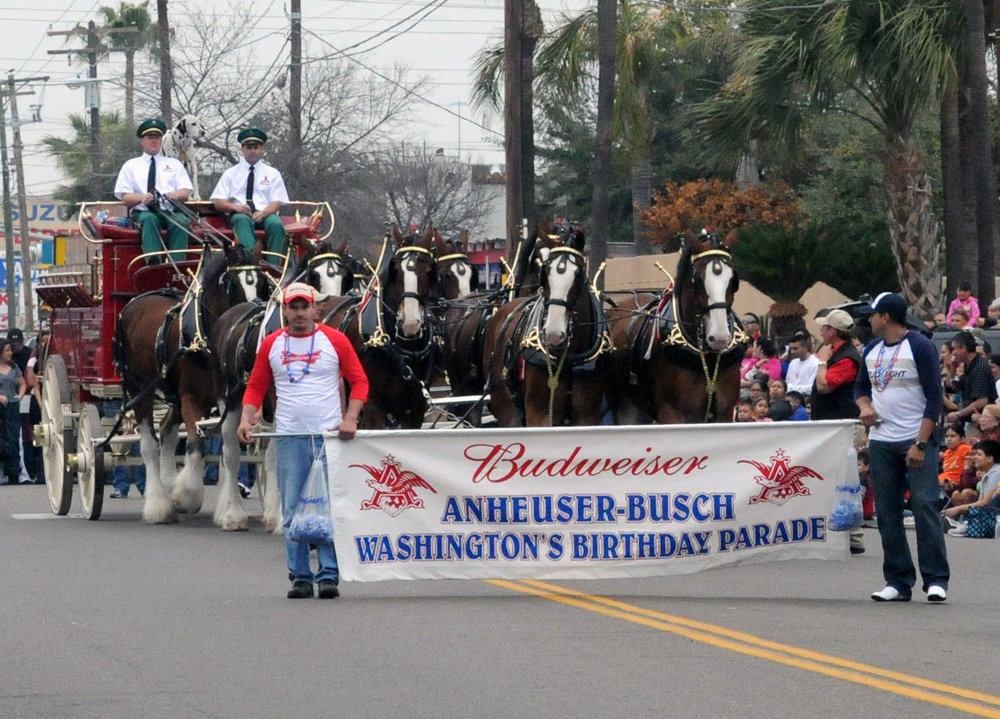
x=268, y=186
x=170, y=176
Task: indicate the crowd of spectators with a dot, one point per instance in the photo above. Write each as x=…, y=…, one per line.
x=789, y=383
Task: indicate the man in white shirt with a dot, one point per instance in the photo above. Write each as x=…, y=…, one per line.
x=253, y=192
x=138, y=183
x=801, y=372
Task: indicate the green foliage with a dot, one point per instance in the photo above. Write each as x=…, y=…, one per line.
x=785, y=262
x=117, y=144
x=567, y=186
x=128, y=15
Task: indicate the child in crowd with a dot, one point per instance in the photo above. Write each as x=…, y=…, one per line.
x=965, y=491
x=966, y=302
x=865, y=479
x=744, y=413
x=761, y=409
x=985, y=455
x=953, y=457
x=798, y=405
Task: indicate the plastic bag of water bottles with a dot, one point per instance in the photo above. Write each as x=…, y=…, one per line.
x=849, y=512
x=312, y=521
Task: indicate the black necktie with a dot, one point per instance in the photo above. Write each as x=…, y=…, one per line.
x=151, y=182
x=250, y=190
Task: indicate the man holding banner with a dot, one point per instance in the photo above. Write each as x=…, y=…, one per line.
x=305, y=362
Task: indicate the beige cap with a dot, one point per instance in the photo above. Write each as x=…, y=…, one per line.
x=838, y=319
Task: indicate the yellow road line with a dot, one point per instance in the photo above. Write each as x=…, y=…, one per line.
x=750, y=645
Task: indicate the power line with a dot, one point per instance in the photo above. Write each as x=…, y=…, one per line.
x=404, y=88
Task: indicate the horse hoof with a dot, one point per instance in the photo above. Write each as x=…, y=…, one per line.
x=159, y=517
x=271, y=526
x=235, y=524
x=186, y=504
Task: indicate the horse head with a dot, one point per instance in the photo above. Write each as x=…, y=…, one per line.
x=243, y=278
x=409, y=279
x=706, y=284
x=457, y=276
x=563, y=276
x=329, y=270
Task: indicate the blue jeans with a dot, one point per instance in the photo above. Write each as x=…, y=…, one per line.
x=12, y=432
x=295, y=458
x=891, y=479
x=123, y=476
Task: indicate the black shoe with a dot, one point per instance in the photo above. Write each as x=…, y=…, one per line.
x=857, y=550
x=328, y=589
x=301, y=590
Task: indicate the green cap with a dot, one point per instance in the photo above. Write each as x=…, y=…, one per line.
x=151, y=125
x=251, y=134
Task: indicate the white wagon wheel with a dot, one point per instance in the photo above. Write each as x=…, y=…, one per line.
x=58, y=436
x=90, y=475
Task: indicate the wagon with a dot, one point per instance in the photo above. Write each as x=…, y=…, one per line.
x=81, y=390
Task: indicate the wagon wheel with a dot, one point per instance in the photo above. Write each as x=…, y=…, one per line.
x=90, y=475
x=57, y=424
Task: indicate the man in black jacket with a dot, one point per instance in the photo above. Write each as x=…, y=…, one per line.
x=833, y=390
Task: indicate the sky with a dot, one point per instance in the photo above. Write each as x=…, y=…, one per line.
x=433, y=38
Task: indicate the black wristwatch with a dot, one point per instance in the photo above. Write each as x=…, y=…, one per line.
x=921, y=445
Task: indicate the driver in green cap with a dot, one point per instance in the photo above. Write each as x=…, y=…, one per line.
x=253, y=192
x=141, y=178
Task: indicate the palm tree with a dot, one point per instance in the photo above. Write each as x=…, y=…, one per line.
x=567, y=63
x=981, y=160
x=128, y=16
x=74, y=158
x=802, y=57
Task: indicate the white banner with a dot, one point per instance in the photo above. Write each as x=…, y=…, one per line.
x=585, y=503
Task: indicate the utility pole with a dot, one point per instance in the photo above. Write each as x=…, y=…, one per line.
x=22, y=208
x=166, y=74
x=93, y=97
x=8, y=217
x=513, y=21
x=295, y=96
x=95, y=114
x=8, y=210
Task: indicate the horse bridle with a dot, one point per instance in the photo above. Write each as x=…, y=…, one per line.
x=726, y=258
x=410, y=263
x=570, y=255
x=334, y=265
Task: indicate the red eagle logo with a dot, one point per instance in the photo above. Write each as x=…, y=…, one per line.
x=779, y=482
x=393, y=488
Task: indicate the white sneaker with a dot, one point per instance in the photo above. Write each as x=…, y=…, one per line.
x=890, y=594
x=959, y=531
x=909, y=522
x=955, y=524
x=936, y=593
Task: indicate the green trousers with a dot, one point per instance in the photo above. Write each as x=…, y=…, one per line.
x=151, y=224
x=274, y=231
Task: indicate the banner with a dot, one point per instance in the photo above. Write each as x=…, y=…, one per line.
x=585, y=503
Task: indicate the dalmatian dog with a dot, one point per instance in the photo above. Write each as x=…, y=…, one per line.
x=179, y=143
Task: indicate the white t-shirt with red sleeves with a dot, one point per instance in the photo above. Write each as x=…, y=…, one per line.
x=306, y=371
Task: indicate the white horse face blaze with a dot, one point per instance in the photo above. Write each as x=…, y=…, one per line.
x=331, y=279
x=718, y=275
x=463, y=273
x=561, y=275
x=249, y=283
x=410, y=318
